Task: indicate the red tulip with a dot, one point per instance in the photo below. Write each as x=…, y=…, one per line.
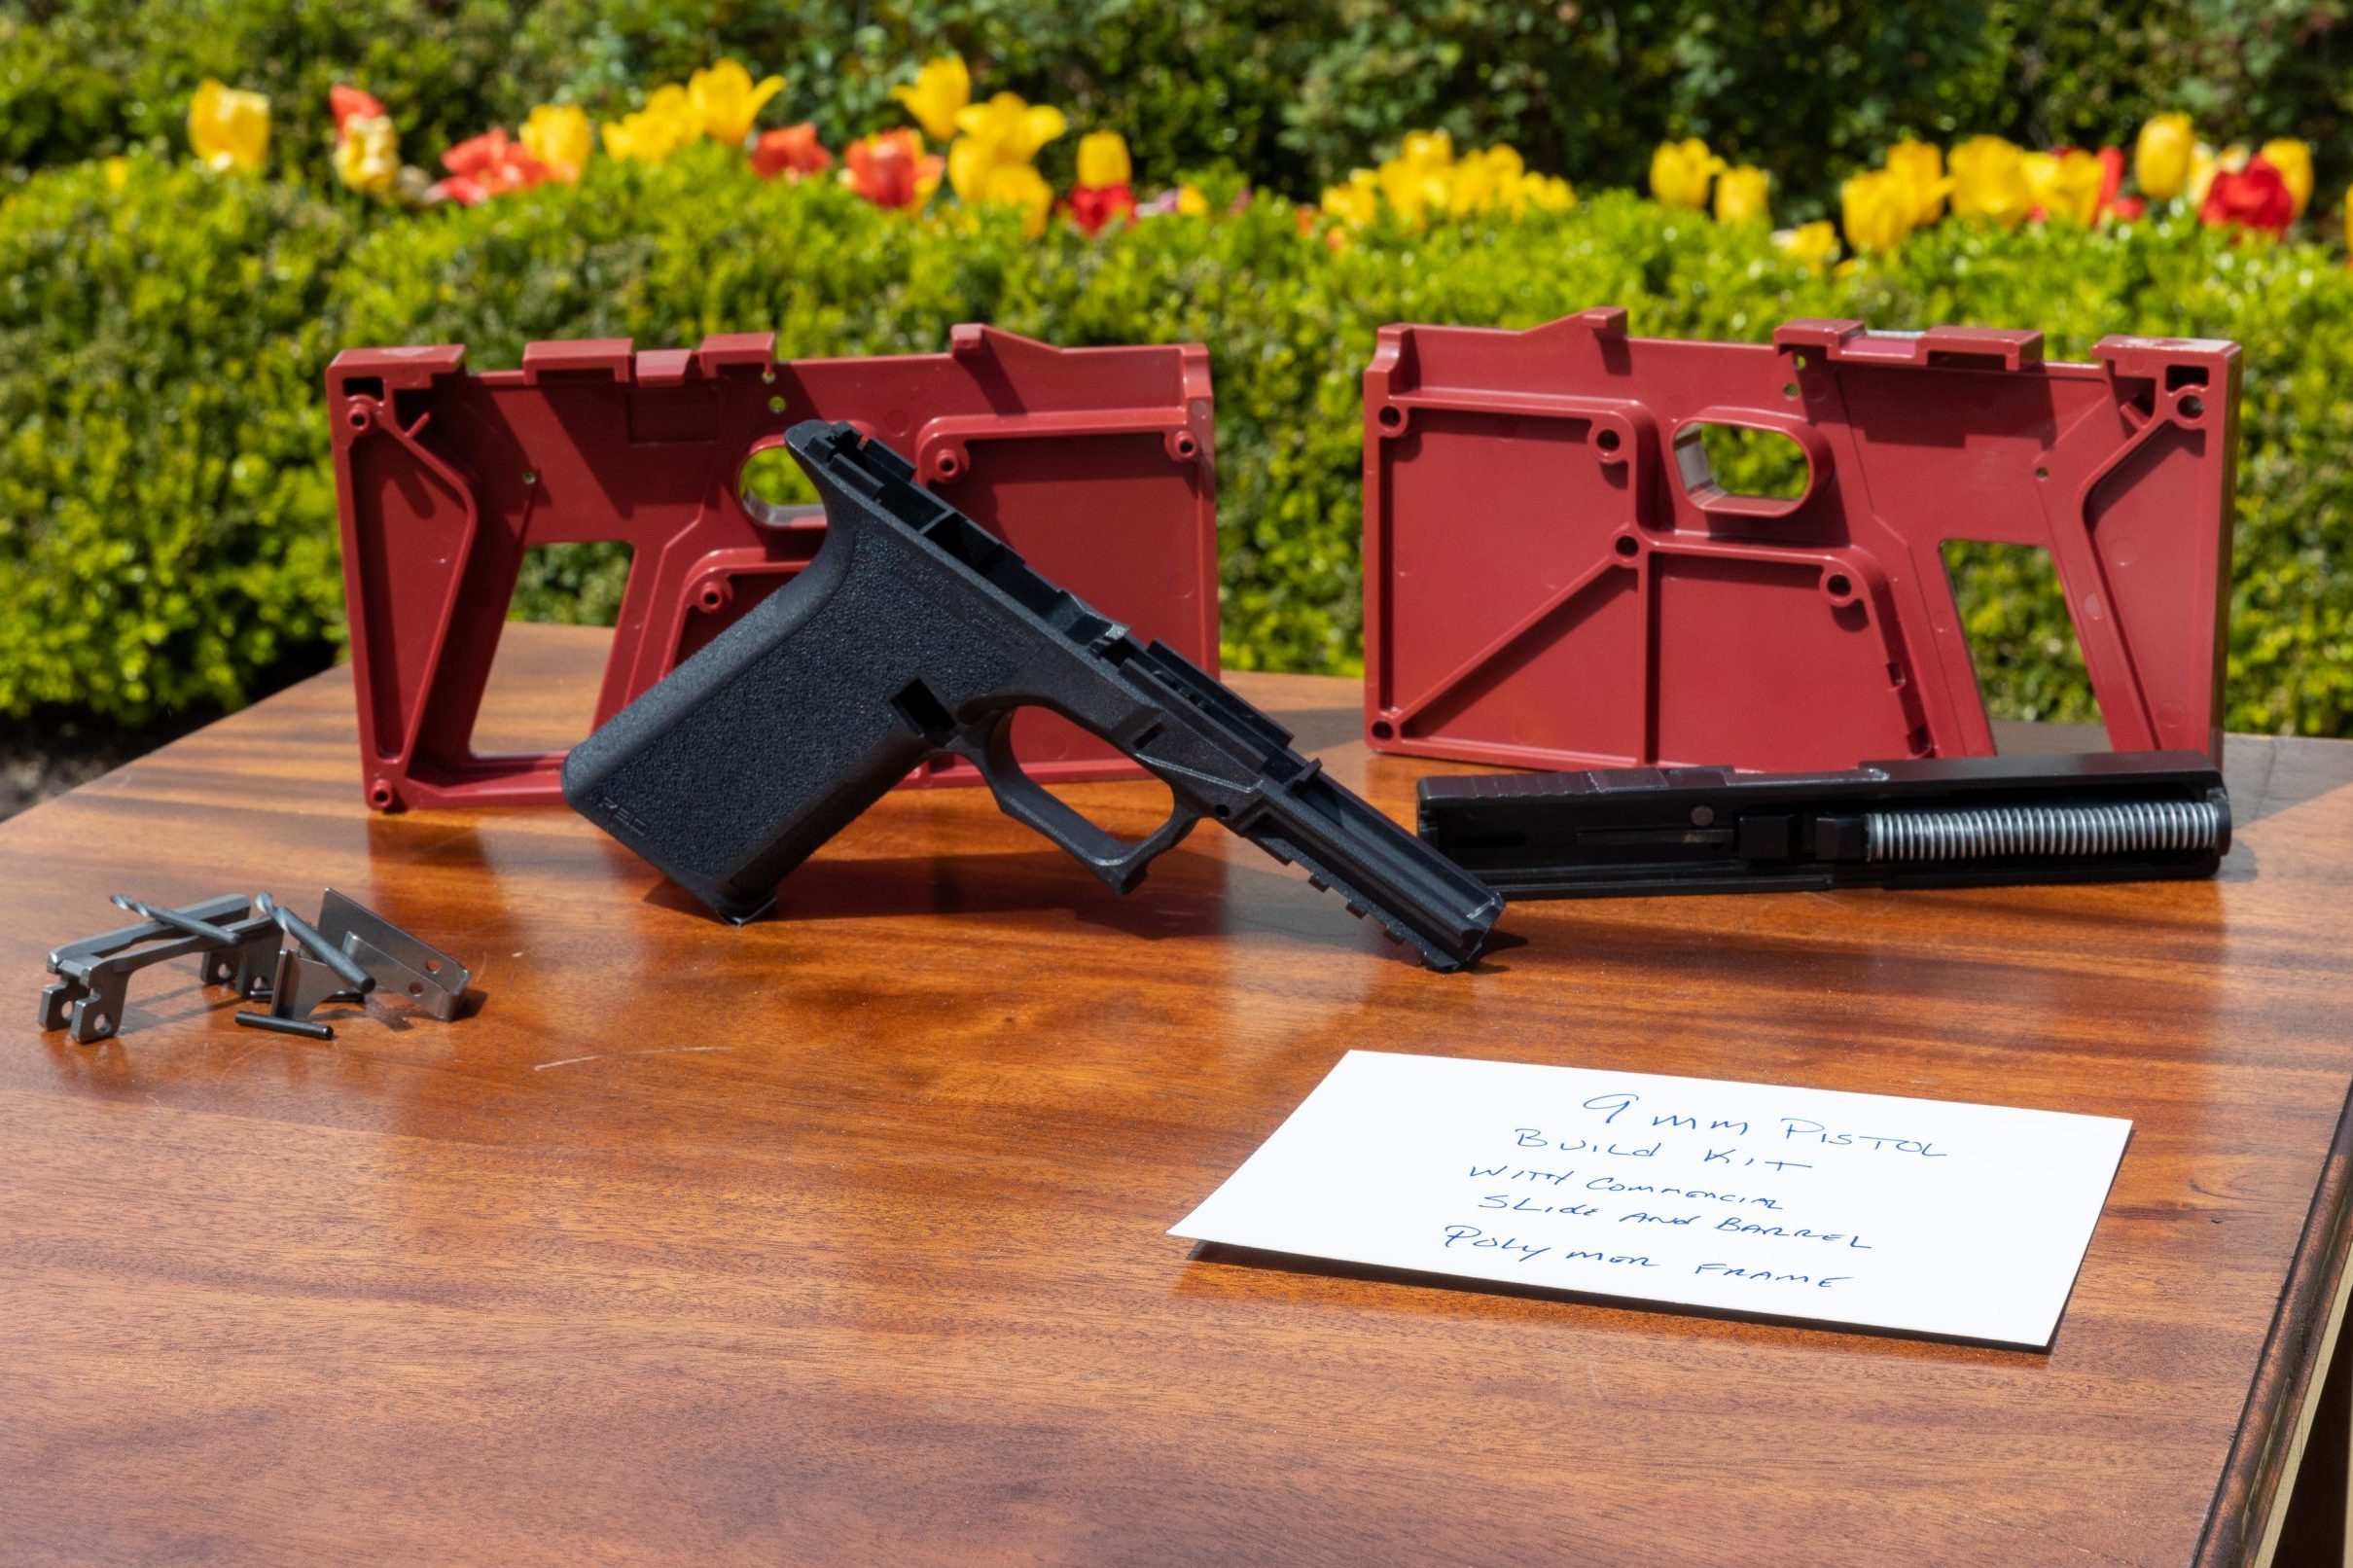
x=347, y=104
x=2256, y=197
x=2112, y=181
x=891, y=169
x=792, y=152
x=1092, y=206
x=486, y=165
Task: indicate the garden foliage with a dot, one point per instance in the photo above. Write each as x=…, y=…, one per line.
x=1289, y=96
x=166, y=507
x=167, y=512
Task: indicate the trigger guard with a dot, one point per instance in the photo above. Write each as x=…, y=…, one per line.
x=1121, y=863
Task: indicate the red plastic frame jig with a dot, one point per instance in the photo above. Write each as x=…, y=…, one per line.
x=1098, y=464
x=1555, y=578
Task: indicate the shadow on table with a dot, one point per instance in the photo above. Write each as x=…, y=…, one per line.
x=2269, y=774
x=1186, y=895
x=1884, y=1342
x=1317, y=729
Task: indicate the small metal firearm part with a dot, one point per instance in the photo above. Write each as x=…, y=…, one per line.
x=265, y=951
x=237, y=945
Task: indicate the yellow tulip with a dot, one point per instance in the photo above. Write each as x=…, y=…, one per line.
x=2348, y=216
x=1921, y=168
x=2161, y=156
x=940, y=92
x=1680, y=172
x=1420, y=177
x=228, y=129
x=727, y=101
x=1012, y=128
x=1427, y=178
x=1410, y=193
x=559, y=137
x=367, y=155
x=636, y=138
x=1548, y=193
x=1484, y=179
x=1103, y=160
x=1005, y=132
x=1469, y=186
x=625, y=140
x=1740, y=195
x=668, y=122
x=1988, y=181
x=2064, y=185
x=2294, y=160
x=672, y=107
x=2082, y=179
x=2042, y=172
x=1356, y=203
x=1811, y=244
x=1192, y=203
x=968, y=167
x=1876, y=209
x=1018, y=185
x=1478, y=182
x=2203, y=164
x=1427, y=149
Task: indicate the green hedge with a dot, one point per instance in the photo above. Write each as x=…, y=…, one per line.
x=165, y=500
x=1292, y=95
x=166, y=507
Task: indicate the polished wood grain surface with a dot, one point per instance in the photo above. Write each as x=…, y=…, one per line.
x=840, y=1239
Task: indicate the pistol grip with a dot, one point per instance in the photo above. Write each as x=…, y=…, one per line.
x=1120, y=862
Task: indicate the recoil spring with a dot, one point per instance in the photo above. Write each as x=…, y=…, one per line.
x=2004, y=831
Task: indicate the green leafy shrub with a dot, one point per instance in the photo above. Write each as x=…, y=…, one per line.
x=166, y=502
x=167, y=507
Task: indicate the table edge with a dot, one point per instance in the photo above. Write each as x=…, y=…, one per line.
x=2250, y=1498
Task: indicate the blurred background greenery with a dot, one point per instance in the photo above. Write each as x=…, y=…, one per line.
x=166, y=507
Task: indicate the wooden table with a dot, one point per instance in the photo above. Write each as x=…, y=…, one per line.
x=840, y=1239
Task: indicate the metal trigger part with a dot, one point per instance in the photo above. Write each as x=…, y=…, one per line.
x=265, y=953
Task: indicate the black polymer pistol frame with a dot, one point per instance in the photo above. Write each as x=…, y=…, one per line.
x=914, y=632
